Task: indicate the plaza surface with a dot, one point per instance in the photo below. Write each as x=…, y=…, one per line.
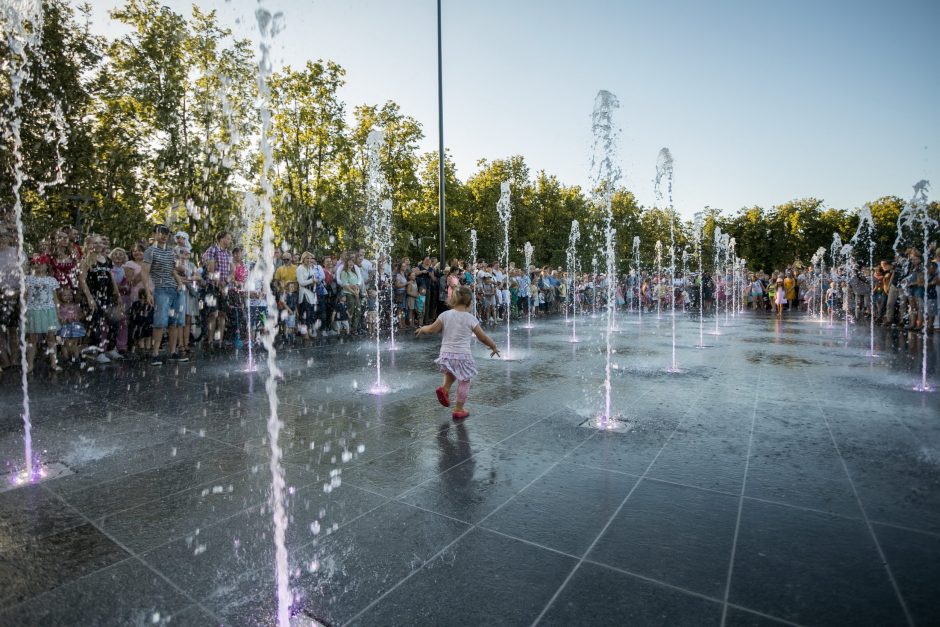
x=783, y=476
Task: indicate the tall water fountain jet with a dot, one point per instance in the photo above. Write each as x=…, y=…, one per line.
x=594, y=286
x=504, y=209
x=819, y=267
x=638, y=282
x=528, y=250
x=664, y=172
x=718, y=241
x=734, y=277
x=251, y=213
x=24, y=19
x=865, y=238
x=606, y=175
x=848, y=270
x=573, y=236
x=725, y=245
x=269, y=25
x=914, y=227
x=379, y=237
x=659, y=279
x=697, y=228
x=473, y=270
x=835, y=256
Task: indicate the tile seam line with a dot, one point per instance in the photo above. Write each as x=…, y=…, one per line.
x=459, y=537
x=858, y=499
x=737, y=522
x=491, y=447
x=45, y=593
x=618, y=510
x=138, y=558
x=646, y=578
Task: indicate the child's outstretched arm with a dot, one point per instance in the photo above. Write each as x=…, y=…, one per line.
x=430, y=329
x=483, y=337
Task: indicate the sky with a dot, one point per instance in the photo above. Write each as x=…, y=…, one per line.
x=759, y=102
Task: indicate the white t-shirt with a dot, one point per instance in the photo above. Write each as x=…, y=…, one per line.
x=458, y=329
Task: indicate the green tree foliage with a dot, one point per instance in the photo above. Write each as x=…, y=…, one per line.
x=161, y=124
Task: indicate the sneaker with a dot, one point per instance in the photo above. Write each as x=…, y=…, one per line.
x=178, y=357
x=114, y=355
x=460, y=415
x=442, y=397
x=102, y=359
x=156, y=360
x=91, y=350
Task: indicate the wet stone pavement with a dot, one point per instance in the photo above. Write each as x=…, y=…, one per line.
x=781, y=478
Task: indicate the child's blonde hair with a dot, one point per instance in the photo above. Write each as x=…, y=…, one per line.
x=460, y=296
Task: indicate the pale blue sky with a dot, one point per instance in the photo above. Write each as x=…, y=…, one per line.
x=759, y=102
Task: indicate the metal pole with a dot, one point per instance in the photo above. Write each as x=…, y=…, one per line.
x=440, y=153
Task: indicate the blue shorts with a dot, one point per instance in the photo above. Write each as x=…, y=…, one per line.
x=169, y=307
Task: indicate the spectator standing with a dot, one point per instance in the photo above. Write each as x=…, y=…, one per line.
x=224, y=268
x=350, y=280
x=166, y=297
x=103, y=299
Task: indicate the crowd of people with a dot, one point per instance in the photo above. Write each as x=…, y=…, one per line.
x=899, y=293
x=90, y=303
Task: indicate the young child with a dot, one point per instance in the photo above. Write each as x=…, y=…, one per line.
x=489, y=299
x=141, y=321
x=411, y=300
x=419, y=305
x=780, y=297
x=534, y=296
x=455, y=359
x=71, y=331
x=42, y=319
x=340, y=321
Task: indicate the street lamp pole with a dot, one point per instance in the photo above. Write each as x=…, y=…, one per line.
x=440, y=154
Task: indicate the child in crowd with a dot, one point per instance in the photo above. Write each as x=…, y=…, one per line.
x=411, y=304
x=455, y=360
x=42, y=319
x=489, y=299
x=419, y=305
x=780, y=296
x=71, y=329
x=191, y=281
x=141, y=329
x=212, y=301
x=340, y=321
x=534, y=296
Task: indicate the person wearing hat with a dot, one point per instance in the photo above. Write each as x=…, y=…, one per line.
x=182, y=240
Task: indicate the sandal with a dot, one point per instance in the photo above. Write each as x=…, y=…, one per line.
x=442, y=396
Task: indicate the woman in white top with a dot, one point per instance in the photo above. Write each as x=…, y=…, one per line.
x=455, y=359
x=309, y=277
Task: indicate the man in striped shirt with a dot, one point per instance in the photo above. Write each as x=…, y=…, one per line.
x=166, y=297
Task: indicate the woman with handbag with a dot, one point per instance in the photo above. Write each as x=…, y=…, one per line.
x=103, y=299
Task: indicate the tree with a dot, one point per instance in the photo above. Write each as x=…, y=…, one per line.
x=313, y=158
